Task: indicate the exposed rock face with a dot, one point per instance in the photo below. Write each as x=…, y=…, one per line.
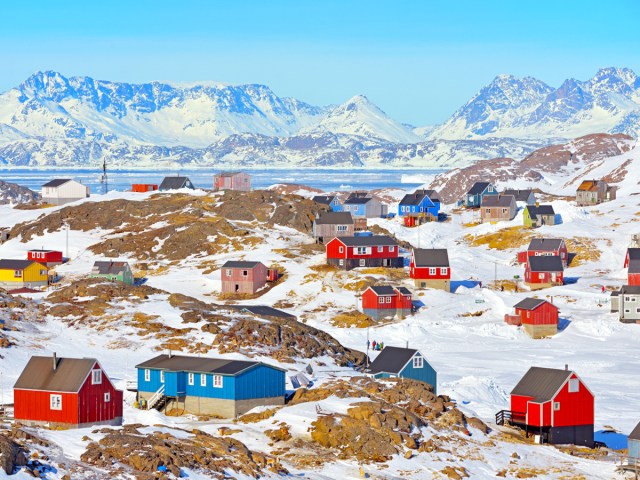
x=12, y=455
x=14, y=193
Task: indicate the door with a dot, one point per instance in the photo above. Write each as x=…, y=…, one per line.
x=237, y=287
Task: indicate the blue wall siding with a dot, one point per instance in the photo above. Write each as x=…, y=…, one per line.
x=227, y=391
x=336, y=206
x=425, y=374
x=427, y=207
x=477, y=199
x=152, y=385
x=357, y=210
x=634, y=449
x=261, y=381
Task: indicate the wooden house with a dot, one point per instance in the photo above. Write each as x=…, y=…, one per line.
x=626, y=302
x=538, y=318
x=175, y=183
x=373, y=251
x=497, y=208
x=593, y=192
x=383, y=301
x=209, y=386
x=365, y=207
x=396, y=362
x=66, y=392
x=535, y=216
x=49, y=258
x=473, y=198
x=421, y=203
x=429, y=268
x=524, y=197
x=545, y=247
x=239, y=181
x=554, y=404
x=144, y=187
x=633, y=273
x=243, y=276
x=543, y=272
x=328, y=225
x=22, y=274
x=331, y=201
x=113, y=271
x=634, y=446
x=63, y=190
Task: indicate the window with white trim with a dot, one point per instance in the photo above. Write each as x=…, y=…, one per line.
x=55, y=402
x=388, y=299
x=203, y=380
x=147, y=375
x=217, y=381
x=362, y=262
x=380, y=249
x=556, y=406
x=417, y=362
x=107, y=397
x=504, y=210
x=161, y=376
x=392, y=249
x=489, y=188
x=361, y=251
x=341, y=262
x=341, y=249
x=432, y=271
x=342, y=228
x=574, y=385
x=17, y=273
x=443, y=271
x=96, y=377
x=487, y=210
x=245, y=273
x=380, y=299
x=228, y=272
x=190, y=378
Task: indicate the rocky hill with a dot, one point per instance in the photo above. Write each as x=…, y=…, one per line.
x=15, y=194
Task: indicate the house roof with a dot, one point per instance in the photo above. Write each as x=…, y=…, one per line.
x=240, y=264
x=324, y=199
x=106, y=267
x=535, y=210
x=545, y=244
x=551, y=263
x=632, y=289
x=359, y=195
x=391, y=360
x=173, y=183
x=334, y=218
x=634, y=266
x=478, y=187
x=541, y=383
x=56, y=182
x=357, y=200
x=520, y=195
x=372, y=241
x=633, y=253
x=42, y=250
x=589, y=185
x=228, y=174
x=183, y=363
x=498, y=200
x=418, y=196
x=385, y=290
x=10, y=264
x=431, y=257
x=69, y=375
x=264, y=311
x=530, y=303
x=635, y=433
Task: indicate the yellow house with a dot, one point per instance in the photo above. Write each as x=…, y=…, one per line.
x=22, y=273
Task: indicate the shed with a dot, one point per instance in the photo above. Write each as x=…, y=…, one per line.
x=63, y=190
x=175, y=183
x=544, y=271
x=144, y=187
x=397, y=362
x=538, y=317
x=384, y=301
x=243, y=277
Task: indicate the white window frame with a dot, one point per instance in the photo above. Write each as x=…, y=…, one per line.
x=228, y=272
x=245, y=273
x=96, y=376
x=203, y=380
x=190, y=378
x=433, y=271
x=341, y=262
x=556, y=406
x=392, y=249
x=147, y=375
x=380, y=299
x=443, y=270
x=490, y=188
x=218, y=382
x=107, y=397
x=504, y=210
x=388, y=299
x=363, y=262
x=341, y=250
x=574, y=385
x=55, y=401
x=380, y=249
x=418, y=362
x=161, y=376
x=361, y=251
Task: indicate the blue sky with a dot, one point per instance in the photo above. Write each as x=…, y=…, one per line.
x=419, y=61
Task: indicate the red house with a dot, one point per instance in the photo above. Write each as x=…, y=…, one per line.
x=144, y=187
x=552, y=403
x=243, y=277
x=544, y=271
x=372, y=251
x=429, y=267
x=538, y=317
x=634, y=272
x=542, y=247
x=68, y=392
x=383, y=301
x=45, y=257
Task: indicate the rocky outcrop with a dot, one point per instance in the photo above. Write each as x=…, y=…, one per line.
x=12, y=455
x=16, y=194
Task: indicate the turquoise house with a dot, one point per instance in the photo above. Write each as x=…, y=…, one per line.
x=395, y=362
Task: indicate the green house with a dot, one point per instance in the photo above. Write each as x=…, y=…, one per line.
x=535, y=216
x=114, y=271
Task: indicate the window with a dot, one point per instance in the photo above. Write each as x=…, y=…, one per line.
x=55, y=402
x=556, y=406
x=489, y=188
x=147, y=375
x=342, y=228
x=43, y=272
x=107, y=397
x=161, y=376
x=422, y=209
x=388, y=299
x=380, y=249
x=487, y=210
x=341, y=263
x=341, y=249
x=17, y=273
x=432, y=271
x=471, y=198
x=361, y=251
x=190, y=378
x=203, y=380
x=96, y=377
x=362, y=262
x=574, y=385
x=633, y=299
x=391, y=249
x=228, y=272
x=528, y=314
x=443, y=271
x=245, y=273
x=626, y=299
x=504, y=210
x=217, y=381
x=380, y=299
x=417, y=362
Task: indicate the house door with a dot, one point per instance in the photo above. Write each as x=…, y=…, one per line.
x=553, y=277
x=385, y=262
x=237, y=287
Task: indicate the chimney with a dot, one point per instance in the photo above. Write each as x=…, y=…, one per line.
x=551, y=300
x=566, y=367
x=170, y=354
x=407, y=344
x=55, y=361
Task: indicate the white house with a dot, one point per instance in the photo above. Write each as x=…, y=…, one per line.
x=63, y=190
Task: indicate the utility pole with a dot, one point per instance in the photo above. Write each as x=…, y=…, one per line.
x=495, y=273
x=367, y=347
x=67, y=245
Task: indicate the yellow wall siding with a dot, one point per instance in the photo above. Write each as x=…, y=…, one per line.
x=33, y=273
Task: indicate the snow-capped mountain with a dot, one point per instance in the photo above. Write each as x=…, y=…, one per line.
x=526, y=108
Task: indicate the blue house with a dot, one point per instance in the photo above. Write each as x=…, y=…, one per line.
x=395, y=362
x=332, y=201
x=634, y=445
x=209, y=386
x=473, y=198
x=420, y=202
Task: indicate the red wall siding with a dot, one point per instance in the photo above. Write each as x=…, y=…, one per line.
x=91, y=404
x=52, y=256
x=634, y=279
x=519, y=403
x=333, y=249
x=34, y=405
x=575, y=408
x=562, y=252
x=422, y=273
x=541, y=277
x=371, y=300
x=545, y=314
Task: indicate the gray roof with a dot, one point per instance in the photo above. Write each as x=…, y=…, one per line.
x=551, y=263
x=498, y=200
x=431, y=257
x=545, y=244
x=635, y=434
x=384, y=290
x=372, y=241
x=56, y=182
x=478, y=187
x=520, y=195
x=107, y=267
x=391, y=360
x=9, y=264
x=228, y=174
x=358, y=195
x=240, y=264
x=183, y=363
x=632, y=289
x=530, y=303
x=357, y=200
x=634, y=266
x=324, y=199
x=334, y=218
x=68, y=376
x=264, y=311
x=535, y=210
x=541, y=383
x=416, y=197
x=174, y=183
x=634, y=253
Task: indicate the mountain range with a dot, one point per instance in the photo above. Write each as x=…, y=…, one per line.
x=53, y=120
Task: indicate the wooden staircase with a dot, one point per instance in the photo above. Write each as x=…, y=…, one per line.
x=157, y=400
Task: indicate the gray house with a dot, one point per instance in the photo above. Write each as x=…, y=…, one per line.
x=175, y=183
x=328, y=225
x=497, y=208
x=593, y=192
x=522, y=196
x=626, y=302
x=365, y=207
